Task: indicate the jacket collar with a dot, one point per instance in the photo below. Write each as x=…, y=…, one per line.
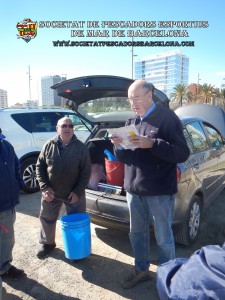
x=56, y=139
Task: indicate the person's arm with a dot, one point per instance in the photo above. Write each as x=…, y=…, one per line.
x=41, y=170
x=17, y=171
x=42, y=177
x=10, y=149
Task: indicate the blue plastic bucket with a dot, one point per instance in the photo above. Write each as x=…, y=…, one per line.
x=76, y=235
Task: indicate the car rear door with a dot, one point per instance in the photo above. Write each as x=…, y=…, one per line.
x=83, y=89
x=42, y=128
x=203, y=159
x=217, y=145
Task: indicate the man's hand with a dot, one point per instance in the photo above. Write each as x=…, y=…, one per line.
x=73, y=197
x=48, y=194
x=141, y=141
x=116, y=140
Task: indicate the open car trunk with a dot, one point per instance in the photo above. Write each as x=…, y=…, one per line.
x=102, y=101
x=107, y=175
x=108, y=95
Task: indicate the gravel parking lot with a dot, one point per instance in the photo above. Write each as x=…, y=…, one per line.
x=99, y=275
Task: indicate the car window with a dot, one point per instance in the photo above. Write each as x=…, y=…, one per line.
x=195, y=137
x=47, y=121
x=23, y=120
x=107, y=104
x=188, y=139
x=214, y=136
x=79, y=123
x=41, y=122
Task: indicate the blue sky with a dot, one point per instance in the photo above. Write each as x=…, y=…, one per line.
x=207, y=58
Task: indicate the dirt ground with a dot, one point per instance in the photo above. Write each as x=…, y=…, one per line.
x=99, y=275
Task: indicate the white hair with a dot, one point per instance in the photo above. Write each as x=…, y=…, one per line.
x=60, y=121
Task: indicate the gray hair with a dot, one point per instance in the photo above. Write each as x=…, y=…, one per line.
x=60, y=121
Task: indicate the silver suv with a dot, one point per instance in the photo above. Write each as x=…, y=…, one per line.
x=28, y=129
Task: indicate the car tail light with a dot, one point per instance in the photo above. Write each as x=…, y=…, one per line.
x=178, y=174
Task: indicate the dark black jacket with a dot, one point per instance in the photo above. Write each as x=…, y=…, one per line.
x=64, y=172
x=10, y=179
x=152, y=172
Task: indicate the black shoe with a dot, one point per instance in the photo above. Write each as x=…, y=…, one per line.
x=13, y=272
x=45, y=249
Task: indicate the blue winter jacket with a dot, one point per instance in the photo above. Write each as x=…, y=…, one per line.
x=10, y=179
x=200, y=277
x=153, y=172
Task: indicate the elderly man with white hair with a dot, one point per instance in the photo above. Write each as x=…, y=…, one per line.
x=150, y=177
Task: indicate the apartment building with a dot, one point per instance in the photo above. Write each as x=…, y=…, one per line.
x=165, y=70
x=3, y=99
x=49, y=96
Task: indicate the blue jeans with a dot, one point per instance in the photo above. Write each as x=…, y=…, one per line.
x=7, y=239
x=144, y=211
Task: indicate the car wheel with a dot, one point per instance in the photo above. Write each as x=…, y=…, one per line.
x=28, y=172
x=188, y=232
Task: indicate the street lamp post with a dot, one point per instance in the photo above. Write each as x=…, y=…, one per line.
x=198, y=82
x=132, y=63
x=132, y=59
x=29, y=79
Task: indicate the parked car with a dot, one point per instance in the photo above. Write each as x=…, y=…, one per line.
x=200, y=179
x=29, y=129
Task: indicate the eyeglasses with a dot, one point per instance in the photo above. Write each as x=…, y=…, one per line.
x=138, y=99
x=66, y=126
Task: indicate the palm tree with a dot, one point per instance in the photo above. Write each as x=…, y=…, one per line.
x=221, y=98
x=181, y=94
x=206, y=92
x=222, y=93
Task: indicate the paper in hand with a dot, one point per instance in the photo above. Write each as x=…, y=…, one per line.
x=124, y=133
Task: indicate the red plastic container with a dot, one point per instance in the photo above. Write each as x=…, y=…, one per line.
x=114, y=172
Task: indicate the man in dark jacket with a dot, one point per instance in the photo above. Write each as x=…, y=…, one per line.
x=63, y=171
x=10, y=185
x=151, y=177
